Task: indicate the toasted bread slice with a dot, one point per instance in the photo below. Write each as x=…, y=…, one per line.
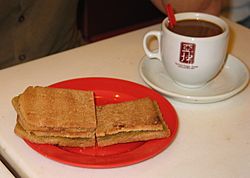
x=55, y=140
x=44, y=108
x=32, y=128
x=65, y=134
x=130, y=121
x=61, y=133
x=132, y=136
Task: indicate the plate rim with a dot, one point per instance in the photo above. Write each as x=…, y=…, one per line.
x=37, y=147
x=198, y=99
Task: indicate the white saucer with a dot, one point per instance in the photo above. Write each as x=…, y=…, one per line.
x=233, y=78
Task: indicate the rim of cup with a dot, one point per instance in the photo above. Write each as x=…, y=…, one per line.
x=198, y=16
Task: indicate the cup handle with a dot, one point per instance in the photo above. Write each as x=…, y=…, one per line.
x=149, y=53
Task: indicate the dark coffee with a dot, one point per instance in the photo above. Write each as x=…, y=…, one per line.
x=196, y=28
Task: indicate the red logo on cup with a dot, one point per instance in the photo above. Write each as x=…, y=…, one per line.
x=187, y=53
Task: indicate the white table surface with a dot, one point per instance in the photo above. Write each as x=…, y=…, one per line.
x=4, y=172
x=213, y=139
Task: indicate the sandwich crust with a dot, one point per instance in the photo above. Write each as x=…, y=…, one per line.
x=133, y=136
x=65, y=134
x=55, y=140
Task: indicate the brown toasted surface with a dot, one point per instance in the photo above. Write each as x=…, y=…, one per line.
x=61, y=141
x=138, y=115
x=125, y=137
x=45, y=107
x=14, y=102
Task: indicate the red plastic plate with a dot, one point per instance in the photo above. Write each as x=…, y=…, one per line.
x=109, y=90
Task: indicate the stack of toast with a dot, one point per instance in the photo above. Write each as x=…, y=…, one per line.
x=68, y=117
x=56, y=116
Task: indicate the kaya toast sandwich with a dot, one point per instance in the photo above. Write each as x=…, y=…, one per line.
x=131, y=121
x=64, y=117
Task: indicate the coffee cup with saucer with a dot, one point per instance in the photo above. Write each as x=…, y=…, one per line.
x=195, y=58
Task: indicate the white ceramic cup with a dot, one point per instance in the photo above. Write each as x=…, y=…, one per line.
x=190, y=61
